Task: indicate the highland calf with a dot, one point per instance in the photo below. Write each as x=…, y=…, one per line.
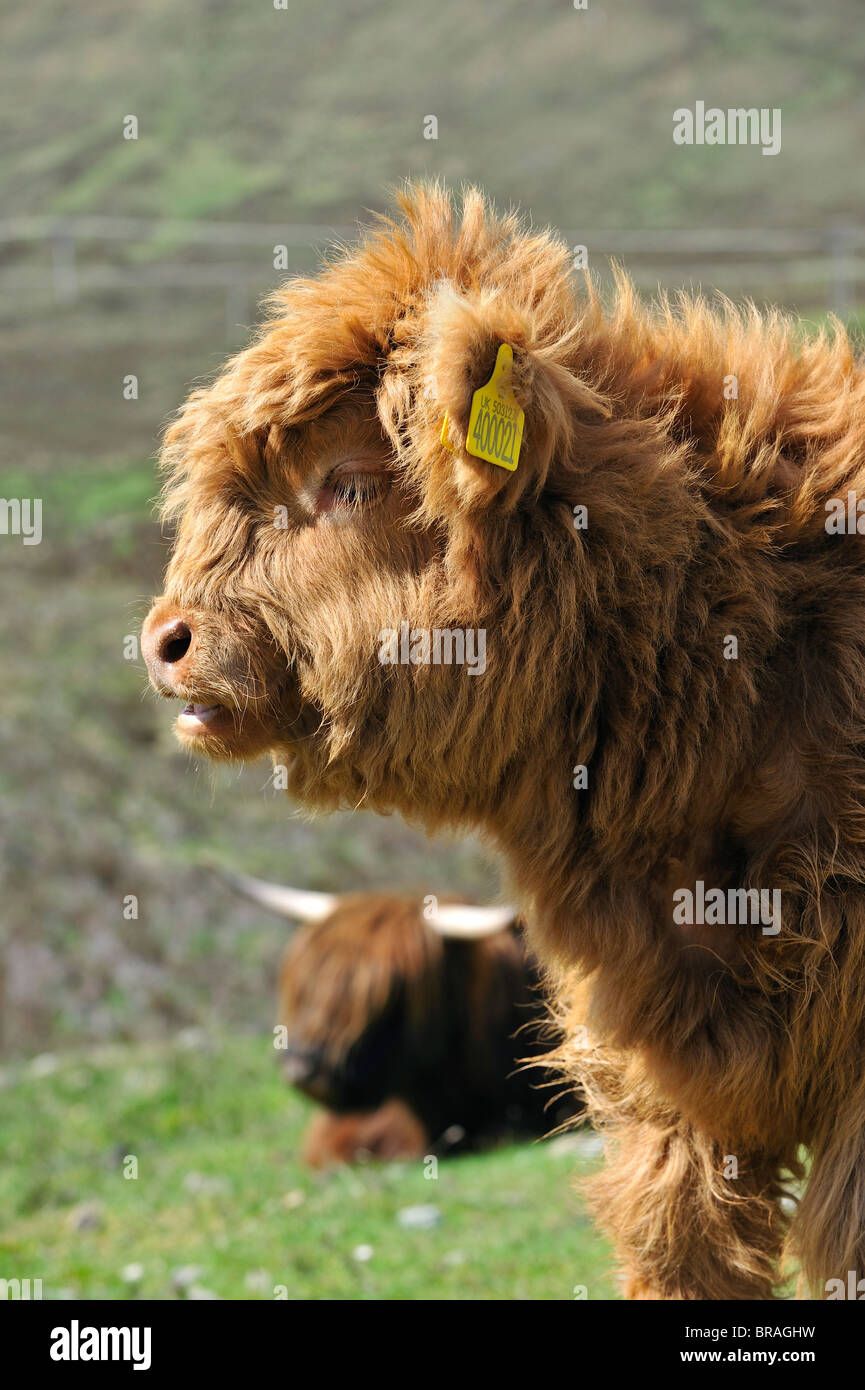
x=664, y=611
x=415, y=1026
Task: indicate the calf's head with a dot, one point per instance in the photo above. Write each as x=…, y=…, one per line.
x=370, y=605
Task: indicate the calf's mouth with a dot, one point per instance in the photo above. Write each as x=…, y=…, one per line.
x=204, y=721
x=195, y=718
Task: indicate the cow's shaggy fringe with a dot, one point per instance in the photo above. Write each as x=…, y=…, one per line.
x=389, y=1010
x=704, y=441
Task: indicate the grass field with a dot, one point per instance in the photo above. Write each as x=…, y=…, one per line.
x=221, y=1206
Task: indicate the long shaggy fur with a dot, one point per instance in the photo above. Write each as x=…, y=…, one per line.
x=605, y=648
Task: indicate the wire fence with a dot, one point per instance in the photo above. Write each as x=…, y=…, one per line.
x=71, y=258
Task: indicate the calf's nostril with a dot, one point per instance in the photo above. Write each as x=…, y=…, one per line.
x=175, y=643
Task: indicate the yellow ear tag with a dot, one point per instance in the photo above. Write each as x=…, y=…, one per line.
x=496, y=421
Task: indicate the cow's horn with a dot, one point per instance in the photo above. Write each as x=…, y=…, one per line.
x=301, y=904
x=468, y=922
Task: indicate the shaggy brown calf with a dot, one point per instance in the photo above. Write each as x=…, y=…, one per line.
x=410, y=1024
x=664, y=611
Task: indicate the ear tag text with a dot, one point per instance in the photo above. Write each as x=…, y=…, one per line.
x=496, y=421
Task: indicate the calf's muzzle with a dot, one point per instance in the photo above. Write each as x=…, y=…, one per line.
x=168, y=642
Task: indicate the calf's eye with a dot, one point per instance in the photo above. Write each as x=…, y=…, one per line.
x=352, y=490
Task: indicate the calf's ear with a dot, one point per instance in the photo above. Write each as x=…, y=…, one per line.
x=512, y=364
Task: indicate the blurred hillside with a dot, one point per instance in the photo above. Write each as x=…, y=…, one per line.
x=246, y=111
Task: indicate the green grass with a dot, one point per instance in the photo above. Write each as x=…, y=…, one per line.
x=85, y=496
x=220, y=1189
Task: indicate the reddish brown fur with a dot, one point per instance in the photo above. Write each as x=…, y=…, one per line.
x=604, y=648
x=389, y=1133
x=330, y=986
